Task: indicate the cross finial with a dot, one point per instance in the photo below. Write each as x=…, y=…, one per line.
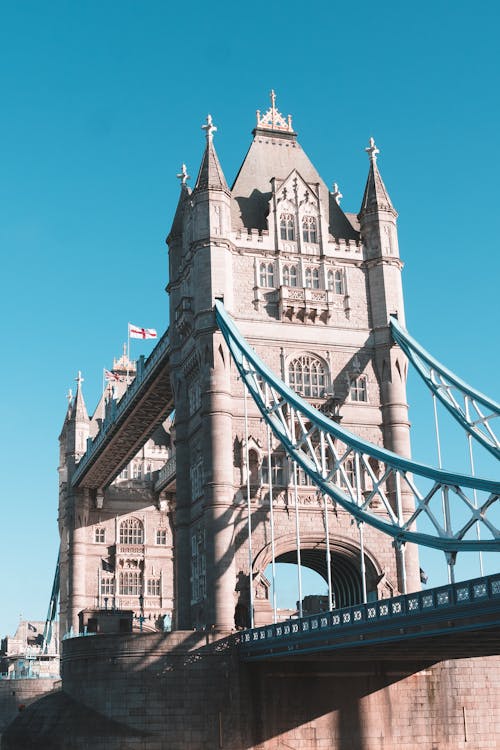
x=273, y=98
x=372, y=150
x=337, y=195
x=70, y=396
x=183, y=175
x=209, y=128
x=79, y=379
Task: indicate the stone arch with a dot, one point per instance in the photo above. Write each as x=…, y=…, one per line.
x=345, y=564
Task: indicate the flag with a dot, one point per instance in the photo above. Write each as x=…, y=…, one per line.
x=31, y=627
x=135, y=332
x=111, y=377
x=423, y=576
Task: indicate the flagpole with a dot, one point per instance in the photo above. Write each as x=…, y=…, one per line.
x=128, y=348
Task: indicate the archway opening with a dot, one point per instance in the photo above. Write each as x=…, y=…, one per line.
x=347, y=586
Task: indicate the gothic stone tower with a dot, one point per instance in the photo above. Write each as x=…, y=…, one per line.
x=311, y=288
x=116, y=543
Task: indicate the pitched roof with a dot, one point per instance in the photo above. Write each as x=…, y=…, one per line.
x=275, y=154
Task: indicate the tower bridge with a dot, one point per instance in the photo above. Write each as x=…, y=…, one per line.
x=269, y=424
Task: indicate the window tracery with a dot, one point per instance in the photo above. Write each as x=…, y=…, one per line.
x=287, y=226
x=290, y=276
x=358, y=389
x=307, y=375
x=309, y=229
x=131, y=531
x=266, y=274
x=312, y=278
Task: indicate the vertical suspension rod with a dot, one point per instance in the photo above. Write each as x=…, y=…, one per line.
x=249, y=511
x=297, y=524
x=473, y=472
x=271, y=509
x=440, y=464
x=360, y=526
x=401, y=546
x=327, y=531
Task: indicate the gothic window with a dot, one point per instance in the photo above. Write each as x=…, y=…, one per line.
x=349, y=471
x=357, y=388
x=290, y=276
x=137, y=470
x=266, y=274
x=161, y=536
x=307, y=376
x=153, y=587
x=287, y=227
x=196, y=473
x=107, y=586
x=302, y=477
x=309, y=229
x=194, y=396
x=312, y=278
x=130, y=583
x=198, y=580
x=336, y=281
x=253, y=461
x=277, y=469
x=99, y=535
x=124, y=473
x=131, y=531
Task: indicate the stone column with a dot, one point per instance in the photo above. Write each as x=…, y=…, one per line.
x=219, y=490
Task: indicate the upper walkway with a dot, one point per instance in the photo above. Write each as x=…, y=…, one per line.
x=146, y=403
x=452, y=621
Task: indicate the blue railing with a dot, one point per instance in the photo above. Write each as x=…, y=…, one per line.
x=447, y=597
x=144, y=370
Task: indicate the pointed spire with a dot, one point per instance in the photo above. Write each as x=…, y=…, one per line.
x=375, y=198
x=79, y=410
x=210, y=176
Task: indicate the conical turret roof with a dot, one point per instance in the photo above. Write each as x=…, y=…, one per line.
x=375, y=198
x=79, y=410
x=210, y=176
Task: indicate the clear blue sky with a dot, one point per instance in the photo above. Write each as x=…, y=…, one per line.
x=103, y=101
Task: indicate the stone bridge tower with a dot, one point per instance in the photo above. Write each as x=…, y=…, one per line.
x=311, y=288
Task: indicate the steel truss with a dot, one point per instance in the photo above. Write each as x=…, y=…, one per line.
x=370, y=482
x=473, y=410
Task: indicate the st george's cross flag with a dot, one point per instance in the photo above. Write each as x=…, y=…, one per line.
x=111, y=377
x=135, y=332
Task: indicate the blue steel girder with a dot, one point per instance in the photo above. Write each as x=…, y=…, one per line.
x=474, y=411
x=365, y=479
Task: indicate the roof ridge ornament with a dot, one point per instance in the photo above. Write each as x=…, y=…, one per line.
x=336, y=194
x=372, y=150
x=209, y=129
x=273, y=119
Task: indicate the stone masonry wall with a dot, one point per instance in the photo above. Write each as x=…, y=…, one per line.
x=186, y=691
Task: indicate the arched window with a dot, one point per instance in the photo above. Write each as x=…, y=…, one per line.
x=309, y=229
x=131, y=531
x=307, y=376
x=290, y=276
x=266, y=274
x=357, y=388
x=130, y=583
x=336, y=281
x=287, y=227
x=312, y=278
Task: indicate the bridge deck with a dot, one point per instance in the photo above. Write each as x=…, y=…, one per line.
x=145, y=405
x=451, y=621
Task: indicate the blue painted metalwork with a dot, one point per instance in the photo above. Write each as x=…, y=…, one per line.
x=280, y=407
x=455, y=600
x=52, y=610
x=450, y=390
x=144, y=371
